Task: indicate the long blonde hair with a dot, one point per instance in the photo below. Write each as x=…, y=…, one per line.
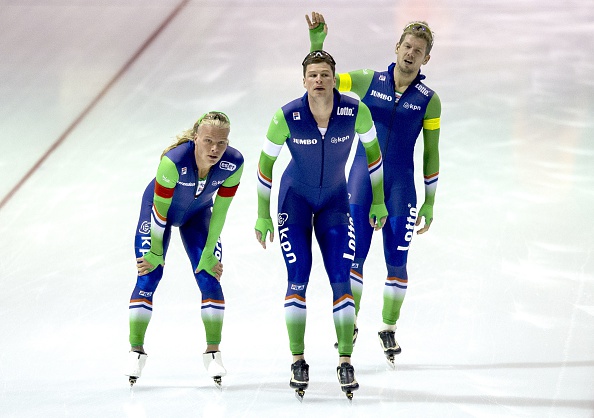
x=214, y=118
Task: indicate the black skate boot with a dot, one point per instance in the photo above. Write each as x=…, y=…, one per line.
x=355, y=334
x=389, y=345
x=299, y=378
x=346, y=378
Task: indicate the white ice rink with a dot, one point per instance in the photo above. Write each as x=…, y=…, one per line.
x=499, y=316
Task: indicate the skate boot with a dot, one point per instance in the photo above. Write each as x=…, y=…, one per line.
x=389, y=345
x=355, y=334
x=299, y=378
x=213, y=363
x=346, y=378
x=135, y=365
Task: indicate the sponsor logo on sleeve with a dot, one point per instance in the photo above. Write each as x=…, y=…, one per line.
x=226, y=165
x=296, y=116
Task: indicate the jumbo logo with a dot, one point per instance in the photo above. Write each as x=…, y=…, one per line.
x=226, y=165
x=305, y=141
x=382, y=96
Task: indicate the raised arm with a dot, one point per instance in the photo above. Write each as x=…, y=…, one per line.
x=317, y=31
x=358, y=81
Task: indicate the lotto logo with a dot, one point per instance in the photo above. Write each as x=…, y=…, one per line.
x=297, y=287
x=410, y=226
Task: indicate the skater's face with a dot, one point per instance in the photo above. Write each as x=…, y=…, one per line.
x=319, y=79
x=410, y=54
x=211, y=142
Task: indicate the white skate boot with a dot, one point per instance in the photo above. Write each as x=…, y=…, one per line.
x=136, y=362
x=213, y=363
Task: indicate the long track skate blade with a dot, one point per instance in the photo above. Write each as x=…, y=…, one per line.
x=299, y=394
x=349, y=396
x=391, y=361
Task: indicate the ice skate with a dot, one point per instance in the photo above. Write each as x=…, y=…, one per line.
x=346, y=378
x=213, y=363
x=355, y=334
x=389, y=345
x=136, y=362
x=299, y=378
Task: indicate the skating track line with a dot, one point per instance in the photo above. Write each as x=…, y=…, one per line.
x=94, y=102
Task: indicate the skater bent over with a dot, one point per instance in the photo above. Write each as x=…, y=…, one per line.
x=318, y=129
x=402, y=106
x=197, y=167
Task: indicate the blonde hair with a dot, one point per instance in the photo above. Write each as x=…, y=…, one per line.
x=213, y=118
x=420, y=29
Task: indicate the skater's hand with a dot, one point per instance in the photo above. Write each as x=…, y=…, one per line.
x=377, y=216
x=148, y=263
x=426, y=212
x=263, y=227
x=316, y=20
x=317, y=30
x=210, y=264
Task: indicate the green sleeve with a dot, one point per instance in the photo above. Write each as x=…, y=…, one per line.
x=431, y=129
x=365, y=128
x=316, y=38
x=278, y=132
x=167, y=177
x=219, y=213
x=357, y=81
x=364, y=121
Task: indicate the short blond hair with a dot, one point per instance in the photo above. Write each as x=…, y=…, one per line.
x=420, y=29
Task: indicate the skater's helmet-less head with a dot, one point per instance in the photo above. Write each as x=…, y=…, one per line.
x=317, y=57
x=419, y=29
x=213, y=118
